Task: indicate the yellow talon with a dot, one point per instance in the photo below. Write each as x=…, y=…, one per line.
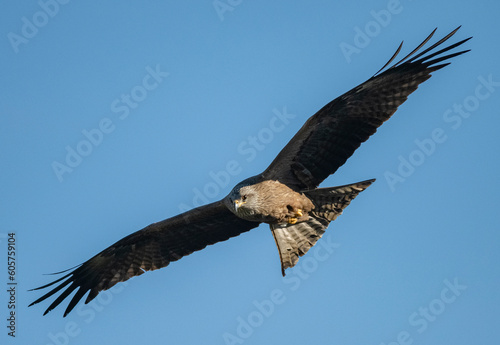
x=299, y=213
x=292, y=220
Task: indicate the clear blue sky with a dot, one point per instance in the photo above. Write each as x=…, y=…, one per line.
x=170, y=92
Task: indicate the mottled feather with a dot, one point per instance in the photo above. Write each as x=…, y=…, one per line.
x=148, y=249
x=319, y=148
x=331, y=136
x=295, y=240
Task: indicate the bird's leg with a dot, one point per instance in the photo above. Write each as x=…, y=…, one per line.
x=295, y=218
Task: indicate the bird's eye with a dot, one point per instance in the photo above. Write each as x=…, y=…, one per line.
x=244, y=198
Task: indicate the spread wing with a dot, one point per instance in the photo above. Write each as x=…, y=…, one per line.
x=331, y=136
x=148, y=249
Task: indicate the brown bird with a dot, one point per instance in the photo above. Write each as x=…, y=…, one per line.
x=285, y=195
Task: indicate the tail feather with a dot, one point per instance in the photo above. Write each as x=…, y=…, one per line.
x=330, y=202
x=294, y=240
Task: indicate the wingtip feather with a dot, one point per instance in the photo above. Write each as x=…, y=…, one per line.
x=421, y=58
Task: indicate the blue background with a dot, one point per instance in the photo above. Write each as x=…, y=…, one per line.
x=394, y=252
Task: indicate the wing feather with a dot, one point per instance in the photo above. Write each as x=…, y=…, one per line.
x=148, y=249
x=331, y=136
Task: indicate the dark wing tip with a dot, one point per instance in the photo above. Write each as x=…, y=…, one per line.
x=392, y=58
x=68, y=286
x=76, y=298
x=421, y=58
x=60, y=298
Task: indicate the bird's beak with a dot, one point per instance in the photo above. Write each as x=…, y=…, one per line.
x=237, y=204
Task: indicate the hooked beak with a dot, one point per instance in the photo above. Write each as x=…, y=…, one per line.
x=238, y=203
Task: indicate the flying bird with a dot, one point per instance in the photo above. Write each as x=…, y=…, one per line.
x=285, y=196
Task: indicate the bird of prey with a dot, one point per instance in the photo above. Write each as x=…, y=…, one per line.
x=285, y=196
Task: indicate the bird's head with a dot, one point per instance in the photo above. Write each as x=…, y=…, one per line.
x=243, y=199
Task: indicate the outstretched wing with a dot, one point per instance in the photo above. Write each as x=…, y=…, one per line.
x=331, y=136
x=148, y=249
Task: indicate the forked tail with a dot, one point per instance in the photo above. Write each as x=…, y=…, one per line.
x=294, y=240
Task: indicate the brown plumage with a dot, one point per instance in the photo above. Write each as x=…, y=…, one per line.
x=295, y=240
x=285, y=195
x=270, y=202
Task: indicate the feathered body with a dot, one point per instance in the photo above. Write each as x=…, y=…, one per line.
x=269, y=202
x=285, y=195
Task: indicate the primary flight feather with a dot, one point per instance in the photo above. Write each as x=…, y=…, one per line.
x=285, y=195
